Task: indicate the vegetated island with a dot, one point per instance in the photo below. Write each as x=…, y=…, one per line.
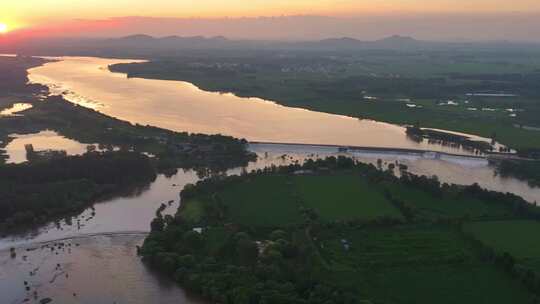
x=340, y=231
x=36, y=192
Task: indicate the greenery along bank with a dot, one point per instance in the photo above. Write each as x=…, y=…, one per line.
x=171, y=149
x=33, y=193
x=493, y=93
x=39, y=191
x=338, y=231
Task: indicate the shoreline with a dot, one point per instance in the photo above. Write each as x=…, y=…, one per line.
x=405, y=151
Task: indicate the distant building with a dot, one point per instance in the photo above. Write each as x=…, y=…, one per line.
x=303, y=172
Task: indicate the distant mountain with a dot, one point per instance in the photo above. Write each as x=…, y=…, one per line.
x=200, y=42
x=145, y=45
x=397, y=39
x=344, y=41
x=392, y=42
x=134, y=38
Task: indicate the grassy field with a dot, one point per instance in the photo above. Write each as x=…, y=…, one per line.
x=343, y=197
x=415, y=265
x=264, y=201
x=519, y=238
x=277, y=200
x=393, y=247
x=446, y=284
x=269, y=201
x=428, y=206
x=482, y=123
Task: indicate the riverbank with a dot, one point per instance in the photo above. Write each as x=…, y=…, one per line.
x=134, y=213
x=384, y=97
x=315, y=226
x=38, y=192
x=181, y=106
x=359, y=149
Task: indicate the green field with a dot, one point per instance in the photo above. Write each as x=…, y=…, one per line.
x=366, y=233
x=392, y=247
x=277, y=200
x=424, y=264
x=518, y=238
x=263, y=201
x=446, y=284
x=428, y=206
x=269, y=201
x=344, y=197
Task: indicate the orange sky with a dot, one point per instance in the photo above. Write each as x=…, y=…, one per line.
x=25, y=13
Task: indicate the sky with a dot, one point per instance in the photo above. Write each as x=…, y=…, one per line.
x=102, y=17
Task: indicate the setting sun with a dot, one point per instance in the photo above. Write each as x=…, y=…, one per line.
x=3, y=28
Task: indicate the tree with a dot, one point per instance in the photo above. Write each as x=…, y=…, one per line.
x=157, y=224
x=193, y=240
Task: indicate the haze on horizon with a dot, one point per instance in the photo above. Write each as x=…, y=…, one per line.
x=448, y=20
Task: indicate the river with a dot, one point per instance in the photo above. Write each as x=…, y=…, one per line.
x=99, y=257
x=181, y=106
x=97, y=262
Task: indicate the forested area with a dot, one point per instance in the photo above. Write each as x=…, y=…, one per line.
x=230, y=243
x=35, y=192
x=528, y=171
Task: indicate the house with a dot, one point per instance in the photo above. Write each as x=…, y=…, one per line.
x=303, y=172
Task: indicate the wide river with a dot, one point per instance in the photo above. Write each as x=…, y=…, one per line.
x=181, y=106
x=97, y=263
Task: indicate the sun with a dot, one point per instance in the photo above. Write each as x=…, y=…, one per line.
x=3, y=28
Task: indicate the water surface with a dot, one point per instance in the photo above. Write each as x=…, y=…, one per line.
x=104, y=267
x=44, y=140
x=181, y=106
x=99, y=269
x=16, y=108
x=134, y=211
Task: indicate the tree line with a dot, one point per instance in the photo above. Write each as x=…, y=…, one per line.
x=34, y=192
